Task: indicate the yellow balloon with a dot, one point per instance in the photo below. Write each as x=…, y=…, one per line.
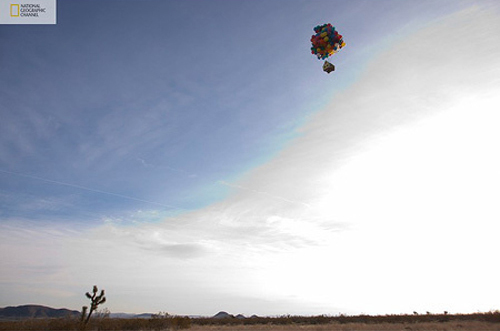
x=323, y=34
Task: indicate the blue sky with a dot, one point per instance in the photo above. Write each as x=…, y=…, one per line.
x=192, y=156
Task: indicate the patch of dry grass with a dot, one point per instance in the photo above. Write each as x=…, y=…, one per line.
x=443, y=322
x=446, y=326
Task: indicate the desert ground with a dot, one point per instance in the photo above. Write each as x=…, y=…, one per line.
x=428, y=322
x=446, y=326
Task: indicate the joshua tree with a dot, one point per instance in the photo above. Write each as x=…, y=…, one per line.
x=95, y=300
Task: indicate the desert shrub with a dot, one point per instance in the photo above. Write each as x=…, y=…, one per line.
x=164, y=321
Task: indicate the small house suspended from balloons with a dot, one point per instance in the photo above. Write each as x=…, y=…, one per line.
x=326, y=42
x=328, y=67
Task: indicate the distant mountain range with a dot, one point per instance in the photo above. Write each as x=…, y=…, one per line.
x=38, y=311
x=126, y=315
x=35, y=311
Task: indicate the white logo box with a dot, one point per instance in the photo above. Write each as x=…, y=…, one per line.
x=28, y=12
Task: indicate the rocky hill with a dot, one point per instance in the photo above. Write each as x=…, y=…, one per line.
x=35, y=311
x=223, y=314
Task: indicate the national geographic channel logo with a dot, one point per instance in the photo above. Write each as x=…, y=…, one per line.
x=28, y=12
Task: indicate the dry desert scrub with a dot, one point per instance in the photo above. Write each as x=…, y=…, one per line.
x=161, y=322
x=445, y=326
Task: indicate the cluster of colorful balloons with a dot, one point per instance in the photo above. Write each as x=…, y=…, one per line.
x=326, y=42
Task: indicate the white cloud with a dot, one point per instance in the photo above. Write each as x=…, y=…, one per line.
x=404, y=162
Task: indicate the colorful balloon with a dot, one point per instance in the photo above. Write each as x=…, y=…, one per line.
x=326, y=42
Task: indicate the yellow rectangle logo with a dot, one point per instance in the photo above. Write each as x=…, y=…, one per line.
x=14, y=10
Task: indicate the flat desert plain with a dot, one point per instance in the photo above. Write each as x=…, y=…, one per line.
x=445, y=326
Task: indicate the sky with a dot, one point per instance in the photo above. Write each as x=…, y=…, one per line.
x=192, y=157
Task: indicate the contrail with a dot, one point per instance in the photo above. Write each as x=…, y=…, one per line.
x=262, y=192
x=89, y=189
